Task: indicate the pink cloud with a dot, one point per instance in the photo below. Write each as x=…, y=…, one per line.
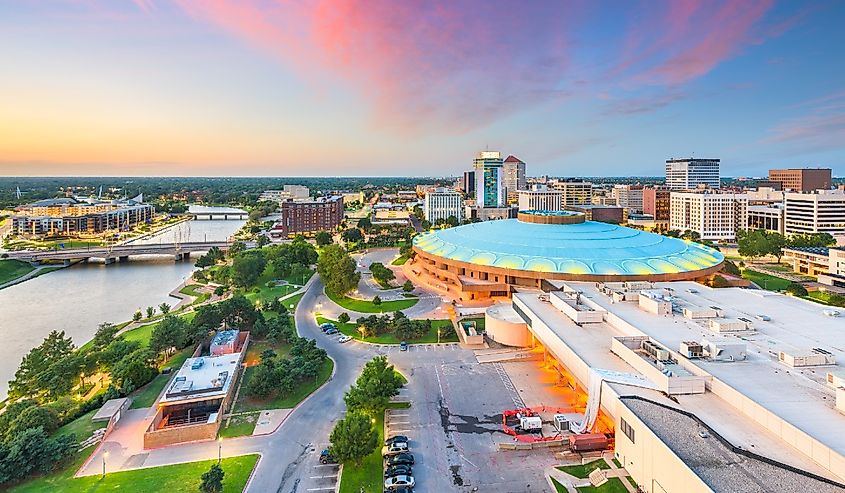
x=822, y=127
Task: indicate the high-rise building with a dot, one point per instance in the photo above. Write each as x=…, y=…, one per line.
x=441, y=204
x=802, y=179
x=686, y=174
x=513, y=175
x=573, y=192
x=713, y=215
x=656, y=203
x=540, y=198
x=468, y=183
x=488, y=179
x=629, y=197
x=822, y=211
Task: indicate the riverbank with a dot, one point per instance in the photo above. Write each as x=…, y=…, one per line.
x=8, y=272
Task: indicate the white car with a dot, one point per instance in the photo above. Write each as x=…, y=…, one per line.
x=344, y=338
x=394, y=448
x=398, y=482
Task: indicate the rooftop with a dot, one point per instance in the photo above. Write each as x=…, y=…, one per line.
x=202, y=378
x=583, y=248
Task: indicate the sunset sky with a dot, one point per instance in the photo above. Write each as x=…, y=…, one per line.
x=396, y=87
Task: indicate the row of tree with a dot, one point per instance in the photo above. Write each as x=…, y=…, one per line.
x=756, y=243
x=398, y=324
x=354, y=437
x=337, y=270
x=275, y=376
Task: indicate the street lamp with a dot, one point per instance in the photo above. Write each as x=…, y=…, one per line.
x=219, y=450
x=105, y=454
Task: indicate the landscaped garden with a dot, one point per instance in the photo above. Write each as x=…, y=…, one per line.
x=430, y=336
x=367, y=306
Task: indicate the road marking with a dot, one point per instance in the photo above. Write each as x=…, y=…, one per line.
x=397, y=415
x=326, y=465
x=324, y=477
x=399, y=423
x=403, y=430
x=321, y=489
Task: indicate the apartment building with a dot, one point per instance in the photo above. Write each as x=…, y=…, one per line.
x=70, y=216
x=821, y=211
x=313, y=216
x=713, y=215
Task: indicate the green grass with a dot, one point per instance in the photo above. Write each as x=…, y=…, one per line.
x=177, y=477
x=146, y=396
x=293, y=300
x=266, y=294
x=447, y=333
x=22, y=244
x=559, y=488
x=583, y=471
x=399, y=260
x=82, y=427
x=822, y=297
x=13, y=269
x=369, y=475
x=239, y=426
x=143, y=333
x=299, y=393
x=613, y=485
x=364, y=306
x=766, y=281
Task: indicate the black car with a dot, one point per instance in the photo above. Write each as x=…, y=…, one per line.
x=398, y=471
x=401, y=489
x=396, y=439
x=404, y=459
x=326, y=457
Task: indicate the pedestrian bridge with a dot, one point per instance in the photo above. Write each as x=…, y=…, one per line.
x=119, y=253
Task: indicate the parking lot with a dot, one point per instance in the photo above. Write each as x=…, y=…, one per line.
x=455, y=423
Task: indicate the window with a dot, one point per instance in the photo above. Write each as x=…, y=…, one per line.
x=626, y=429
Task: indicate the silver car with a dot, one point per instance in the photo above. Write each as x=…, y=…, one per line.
x=399, y=482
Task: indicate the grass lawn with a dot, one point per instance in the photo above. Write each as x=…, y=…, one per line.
x=479, y=323
x=299, y=393
x=82, y=426
x=147, y=395
x=369, y=476
x=13, y=269
x=559, y=487
x=242, y=425
x=399, y=260
x=822, y=297
x=266, y=294
x=178, y=477
x=447, y=333
x=613, y=485
x=293, y=300
x=583, y=471
x=766, y=281
x=194, y=290
x=143, y=333
x=364, y=306
x=253, y=352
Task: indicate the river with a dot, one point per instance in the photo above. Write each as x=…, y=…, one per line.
x=79, y=298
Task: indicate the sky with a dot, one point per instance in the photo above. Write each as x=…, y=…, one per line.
x=413, y=88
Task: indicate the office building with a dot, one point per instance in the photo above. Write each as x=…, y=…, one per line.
x=802, y=179
x=629, y=197
x=488, y=179
x=468, y=182
x=686, y=174
x=612, y=214
x=75, y=217
x=513, y=176
x=288, y=192
x=574, y=192
x=441, y=204
x=821, y=211
x=307, y=217
x=540, y=198
x=656, y=203
x=713, y=215
x=768, y=217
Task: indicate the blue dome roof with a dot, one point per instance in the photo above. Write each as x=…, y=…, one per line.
x=585, y=248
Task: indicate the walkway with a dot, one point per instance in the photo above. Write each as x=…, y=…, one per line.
x=34, y=273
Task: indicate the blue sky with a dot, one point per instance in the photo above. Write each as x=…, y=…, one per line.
x=345, y=87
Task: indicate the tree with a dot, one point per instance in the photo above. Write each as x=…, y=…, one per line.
x=262, y=241
x=377, y=300
x=323, y=238
x=33, y=417
x=170, y=333
x=38, y=371
x=731, y=268
x=796, y=289
x=343, y=318
x=239, y=312
x=352, y=235
x=33, y=451
x=212, y=480
x=365, y=223
x=164, y=308
x=381, y=273
x=775, y=243
x=137, y=316
x=150, y=312
x=219, y=290
x=236, y=249
x=811, y=240
x=246, y=269
x=204, y=261
x=407, y=286
x=263, y=380
x=353, y=438
x=134, y=369
x=104, y=335
x=337, y=270
x=375, y=386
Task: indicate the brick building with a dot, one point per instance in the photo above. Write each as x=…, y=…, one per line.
x=323, y=214
x=656, y=203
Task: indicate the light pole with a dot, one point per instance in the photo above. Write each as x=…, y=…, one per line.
x=105, y=454
x=219, y=450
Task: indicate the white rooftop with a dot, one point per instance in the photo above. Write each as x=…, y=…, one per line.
x=202, y=378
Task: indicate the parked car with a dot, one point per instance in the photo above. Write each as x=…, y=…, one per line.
x=331, y=331
x=401, y=489
x=326, y=326
x=403, y=346
x=344, y=338
x=326, y=457
x=394, y=448
x=396, y=438
x=400, y=459
x=399, y=481
x=400, y=470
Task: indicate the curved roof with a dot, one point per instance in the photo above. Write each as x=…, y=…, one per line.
x=588, y=248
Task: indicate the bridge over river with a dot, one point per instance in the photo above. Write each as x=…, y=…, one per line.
x=117, y=253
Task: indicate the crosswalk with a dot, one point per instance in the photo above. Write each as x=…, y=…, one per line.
x=447, y=346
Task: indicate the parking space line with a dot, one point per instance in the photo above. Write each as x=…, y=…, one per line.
x=323, y=477
x=325, y=465
x=399, y=423
x=321, y=489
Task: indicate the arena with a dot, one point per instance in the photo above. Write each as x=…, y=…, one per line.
x=488, y=259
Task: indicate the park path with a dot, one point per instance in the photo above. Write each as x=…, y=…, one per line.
x=34, y=273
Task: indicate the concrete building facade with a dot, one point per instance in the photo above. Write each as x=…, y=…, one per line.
x=656, y=203
x=441, y=204
x=629, y=196
x=802, y=179
x=574, y=192
x=713, y=215
x=540, y=199
x=513, y=175
x=686, y=174
x=821, y=211
x=288, y=192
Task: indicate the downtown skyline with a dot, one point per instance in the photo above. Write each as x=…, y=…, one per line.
x=335, y=89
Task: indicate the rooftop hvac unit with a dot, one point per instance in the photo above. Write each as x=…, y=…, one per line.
x=655, y=351
x=831, y=313
x=836, y=378
x=724, y=350
x=814, y=357
x=692, y=349
x=762, y=317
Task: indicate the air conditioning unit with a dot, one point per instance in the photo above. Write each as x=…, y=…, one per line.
x=655, y=351
x=814, y=357
x=692, y=349
x=836, y=378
